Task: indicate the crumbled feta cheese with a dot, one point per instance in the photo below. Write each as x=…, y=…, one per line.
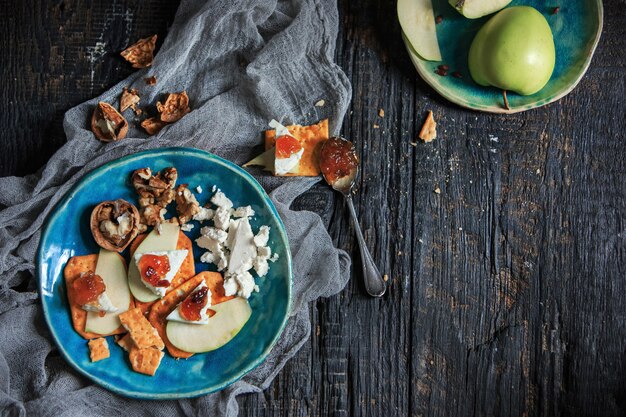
x=220, y=200
x=214, y=188
x=230, y=286
x=186, y=227
x=245, y=211
x=243, y=250
x=199, y=189
x=262, y=237
x=214, y=233
x=264, y=252
x=208, y=258
x=243, y=283
x=274, y=257
x=204, y=214
x=261, y=267
x=256, y=288
x=221, y=219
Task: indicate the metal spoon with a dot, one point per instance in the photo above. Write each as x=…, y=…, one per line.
x=340, y=167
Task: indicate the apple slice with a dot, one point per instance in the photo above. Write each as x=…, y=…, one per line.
x=417, y=20
x=473, y=9
x=230, y=317
x=110, y=266
x=265, y=160
x=154, y=242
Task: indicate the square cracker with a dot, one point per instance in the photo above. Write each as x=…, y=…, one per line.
x=74, y=267
x=311, y=138
x=98, y=349
x=141, y=331
x=125, y=342
x=145, y=360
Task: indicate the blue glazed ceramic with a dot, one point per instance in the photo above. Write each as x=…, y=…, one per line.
x=576, y=29
x=67, y=234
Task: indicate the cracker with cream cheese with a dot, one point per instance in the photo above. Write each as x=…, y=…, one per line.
x=186, y=271
x=311, y=138
x=74, y=267
x=162, y=308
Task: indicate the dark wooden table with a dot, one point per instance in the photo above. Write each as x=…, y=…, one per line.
x=507, y=290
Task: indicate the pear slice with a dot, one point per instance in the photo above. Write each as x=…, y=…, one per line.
x=154, y=242
x=417, y=20
x=265, y=161
x=473, y=9
x=230, y=317
x=111, y=268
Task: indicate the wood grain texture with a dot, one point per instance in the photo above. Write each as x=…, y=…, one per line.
x=506, y=289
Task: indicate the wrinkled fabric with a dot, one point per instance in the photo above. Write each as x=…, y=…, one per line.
x=242, y=63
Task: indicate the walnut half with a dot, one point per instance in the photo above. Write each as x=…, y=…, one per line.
x=107, y=123
x=155, y=193
x=114, y=224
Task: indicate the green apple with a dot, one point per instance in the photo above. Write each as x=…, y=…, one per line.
x=473, y=9
x=417, y=20
x=230, y=317
x=513, y=51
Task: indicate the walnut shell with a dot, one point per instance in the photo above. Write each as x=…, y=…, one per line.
x=175, y=107
x=114, y=224
x=141, y=53
x=107, y=123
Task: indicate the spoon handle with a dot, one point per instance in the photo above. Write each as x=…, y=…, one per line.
x=374, y=284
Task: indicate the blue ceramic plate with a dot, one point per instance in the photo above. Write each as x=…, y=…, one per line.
x=576, y=29
x=67, y=234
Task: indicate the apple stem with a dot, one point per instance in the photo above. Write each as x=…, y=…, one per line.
x=506, y=101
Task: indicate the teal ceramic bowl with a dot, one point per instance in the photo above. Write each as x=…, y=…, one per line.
x=576, y=29
x=67, y=234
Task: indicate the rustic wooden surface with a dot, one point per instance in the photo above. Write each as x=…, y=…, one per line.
x=507, y=290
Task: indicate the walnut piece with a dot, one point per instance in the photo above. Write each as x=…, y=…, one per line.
x=107, y=123
x=186, y=204
x=129, y=98
x=153, y=125
x=155, y=193
x=151, y=80
x=114, y=224
x=429, y=129
x=141, y=53
x=175, y=107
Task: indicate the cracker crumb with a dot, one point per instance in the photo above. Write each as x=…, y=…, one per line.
x=320, y=103
x=385, y=277
x=381, y=112
x=376, y=126
x=437, y=190
x=98, y=349
x=429, y=129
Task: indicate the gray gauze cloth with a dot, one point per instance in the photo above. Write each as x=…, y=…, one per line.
x=242, y=63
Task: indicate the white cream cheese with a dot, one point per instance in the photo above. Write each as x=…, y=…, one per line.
x=204, y=317
x=175, y=258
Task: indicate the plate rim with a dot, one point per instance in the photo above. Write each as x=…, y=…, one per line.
x=55, y=212
x=446, y=93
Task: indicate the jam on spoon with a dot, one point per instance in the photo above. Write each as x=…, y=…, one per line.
x=340, y=166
